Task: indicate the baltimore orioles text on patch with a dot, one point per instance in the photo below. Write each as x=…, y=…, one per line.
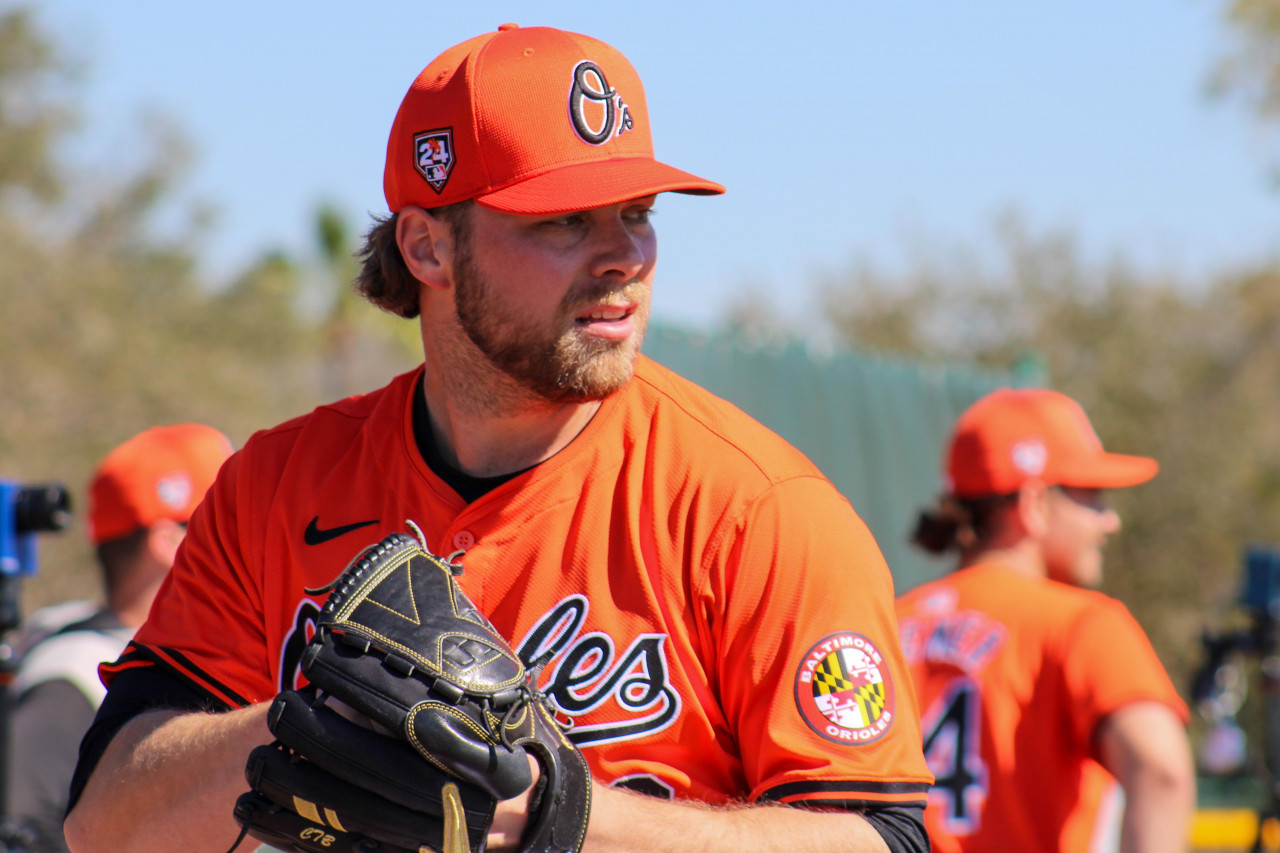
x=843, y=689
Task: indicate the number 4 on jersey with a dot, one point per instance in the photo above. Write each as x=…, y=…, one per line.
x=953, y=731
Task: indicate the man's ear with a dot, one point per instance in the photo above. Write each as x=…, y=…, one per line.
x=1033, y=508
x=426, y=244
x=163, y=538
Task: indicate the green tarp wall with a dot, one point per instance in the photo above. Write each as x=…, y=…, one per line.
x=876, y=426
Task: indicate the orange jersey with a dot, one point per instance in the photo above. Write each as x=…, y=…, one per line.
x=1013, y=675
x=720, y=620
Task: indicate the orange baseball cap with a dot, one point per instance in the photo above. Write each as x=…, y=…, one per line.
x=160, y=473
x=1012, y=436
x=530, y=121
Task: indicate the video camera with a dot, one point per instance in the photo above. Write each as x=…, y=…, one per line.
x=24, y=512
x=1220, y=686
x=1261, y=594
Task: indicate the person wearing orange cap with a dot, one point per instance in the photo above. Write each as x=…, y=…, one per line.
x=716, y=621
x=1038, y=693
x=140, y=499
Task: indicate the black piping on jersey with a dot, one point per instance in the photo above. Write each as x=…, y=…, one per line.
x=142, y=653
x=847, y=804
x=819, y=787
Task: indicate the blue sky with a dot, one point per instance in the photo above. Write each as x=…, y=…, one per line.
x=843, y=131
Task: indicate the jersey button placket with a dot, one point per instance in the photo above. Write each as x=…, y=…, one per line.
x=463, y=540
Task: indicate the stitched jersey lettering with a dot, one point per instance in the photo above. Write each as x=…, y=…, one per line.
x=587, y=674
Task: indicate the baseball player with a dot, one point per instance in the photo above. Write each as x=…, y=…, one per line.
x=1038, y=694
x=141, y=496
x=703, y=606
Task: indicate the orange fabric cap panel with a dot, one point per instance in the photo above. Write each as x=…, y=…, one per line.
x=1012, y=436
x=527, y=121
x=162, y=472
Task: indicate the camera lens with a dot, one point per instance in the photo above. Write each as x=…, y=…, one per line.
x=42, y=507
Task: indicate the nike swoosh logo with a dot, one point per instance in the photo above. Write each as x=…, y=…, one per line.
x=315, y=536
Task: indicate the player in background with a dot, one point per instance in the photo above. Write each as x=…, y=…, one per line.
x=140, y=498
x=1038, y=693
x=718, y=622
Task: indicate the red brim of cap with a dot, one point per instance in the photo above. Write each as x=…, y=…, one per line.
x=1111, y=471
x=596, y=184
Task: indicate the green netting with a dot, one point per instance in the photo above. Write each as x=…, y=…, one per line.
x=875, y=426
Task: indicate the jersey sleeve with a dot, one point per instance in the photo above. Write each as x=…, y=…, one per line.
x=1109, y=663
x=811, y=674
x=206, y=624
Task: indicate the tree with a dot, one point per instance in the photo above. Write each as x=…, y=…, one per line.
x=31, y=116
x=1251, y=68
x=358, y=343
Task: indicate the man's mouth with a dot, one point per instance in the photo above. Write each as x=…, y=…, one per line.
x=608, y=322
x=604, y=315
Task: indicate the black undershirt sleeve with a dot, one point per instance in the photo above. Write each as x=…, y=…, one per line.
x=133, y=692
x=901, y=827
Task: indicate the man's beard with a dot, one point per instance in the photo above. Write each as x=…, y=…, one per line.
x=559, y=366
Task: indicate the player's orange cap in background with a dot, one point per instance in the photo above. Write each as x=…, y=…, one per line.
x=530, y=121
x=160, y=473
x=1012, y=436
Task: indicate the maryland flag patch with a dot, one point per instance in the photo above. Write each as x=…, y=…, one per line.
x=843, y=689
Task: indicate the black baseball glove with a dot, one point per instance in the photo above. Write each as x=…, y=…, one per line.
x=454, y=715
